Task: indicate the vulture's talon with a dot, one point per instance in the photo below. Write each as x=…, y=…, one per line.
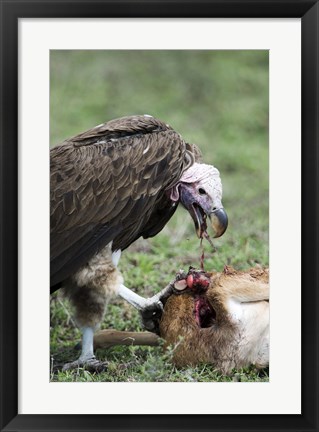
x=91, y=365
x=151, y=315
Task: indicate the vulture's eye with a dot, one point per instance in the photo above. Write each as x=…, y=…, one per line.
x=201, y=191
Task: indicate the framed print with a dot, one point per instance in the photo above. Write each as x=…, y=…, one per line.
x=240, y=79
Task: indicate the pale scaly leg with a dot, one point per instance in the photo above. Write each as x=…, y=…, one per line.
x=151, y=309
x=87, y=357
x=87, y=344
x=141, y=303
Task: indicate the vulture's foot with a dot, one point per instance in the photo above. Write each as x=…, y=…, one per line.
x=91, y=364
x=152, y=309
x=151, y=315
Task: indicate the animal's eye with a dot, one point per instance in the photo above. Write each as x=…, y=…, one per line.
x=201, y=191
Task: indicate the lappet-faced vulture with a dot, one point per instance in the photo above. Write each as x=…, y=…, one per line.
x=109, y=186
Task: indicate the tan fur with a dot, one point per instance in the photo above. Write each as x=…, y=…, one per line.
x=92, y=287
x=240, y=335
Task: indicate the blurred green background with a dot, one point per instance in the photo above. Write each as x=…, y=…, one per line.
x=216, y=99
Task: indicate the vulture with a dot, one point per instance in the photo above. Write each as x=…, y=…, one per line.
x=110, y=185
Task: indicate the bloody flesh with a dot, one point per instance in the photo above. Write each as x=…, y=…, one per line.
x=197, y=282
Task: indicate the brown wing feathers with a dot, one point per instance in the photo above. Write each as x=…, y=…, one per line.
x=109, y=184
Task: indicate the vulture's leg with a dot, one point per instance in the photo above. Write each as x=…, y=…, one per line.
x=90, y=289
x=132, y=298
x=151, y=309
x=141, y=303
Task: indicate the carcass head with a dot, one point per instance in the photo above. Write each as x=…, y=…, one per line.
x=197, y=282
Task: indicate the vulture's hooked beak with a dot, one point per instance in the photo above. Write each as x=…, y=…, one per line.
x=218, y=220
x=200, y=209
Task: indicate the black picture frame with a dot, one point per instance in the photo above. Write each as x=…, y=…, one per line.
x=11, y=12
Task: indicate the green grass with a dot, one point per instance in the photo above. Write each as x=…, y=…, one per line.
x=216, y=99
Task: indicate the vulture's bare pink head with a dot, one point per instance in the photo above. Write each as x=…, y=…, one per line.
x=200, y=192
